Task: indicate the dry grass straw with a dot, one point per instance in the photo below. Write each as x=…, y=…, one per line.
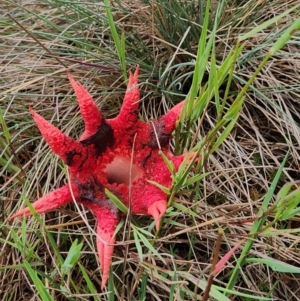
x=241, y=170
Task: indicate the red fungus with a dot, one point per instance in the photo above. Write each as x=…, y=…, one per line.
x=120, y=154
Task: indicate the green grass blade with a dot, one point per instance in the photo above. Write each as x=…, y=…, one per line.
x=43, y=292
x=120, y=205
x=266, y=24
x=89, y=283
x=147, y=244
x=275, y=265
x=285, y=37
x=257, y=225
x=72, y=257
x=119, y=42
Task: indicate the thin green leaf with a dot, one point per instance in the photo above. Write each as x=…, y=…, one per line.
x=137, y=243
x=119, y=42
x=161, y=187
x=43, y=292
x=5, y=129
x=288, y=214
x=169, y=163
x=147, y=244
x=72, y=257
x=285, y=37
x=275, y=265
x=120, y=205
x=88, y=281
x=257, y=225
x=195, y=178
x=287, y=207
x=283, y=192
x=182, y=208
x=224, y=134
x=266, y=24
x=111, y=286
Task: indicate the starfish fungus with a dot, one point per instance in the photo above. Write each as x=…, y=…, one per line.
x=120, y=154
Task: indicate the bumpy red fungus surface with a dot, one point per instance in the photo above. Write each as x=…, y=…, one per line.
x=120, y=154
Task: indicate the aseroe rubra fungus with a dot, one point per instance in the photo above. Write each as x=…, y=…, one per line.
x=120, y=154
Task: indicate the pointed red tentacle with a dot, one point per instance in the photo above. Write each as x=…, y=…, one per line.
x=62, y=145
x=107, y=220
x=177, y=160
x=129, y=110
x=105, y=248
x=90, y=113
x=168, y=121
x=50, y=201
x=157, y=210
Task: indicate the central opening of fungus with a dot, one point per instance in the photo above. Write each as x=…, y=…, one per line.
x=121, y=171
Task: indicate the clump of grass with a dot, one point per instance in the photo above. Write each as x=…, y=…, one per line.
x=241, y=117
